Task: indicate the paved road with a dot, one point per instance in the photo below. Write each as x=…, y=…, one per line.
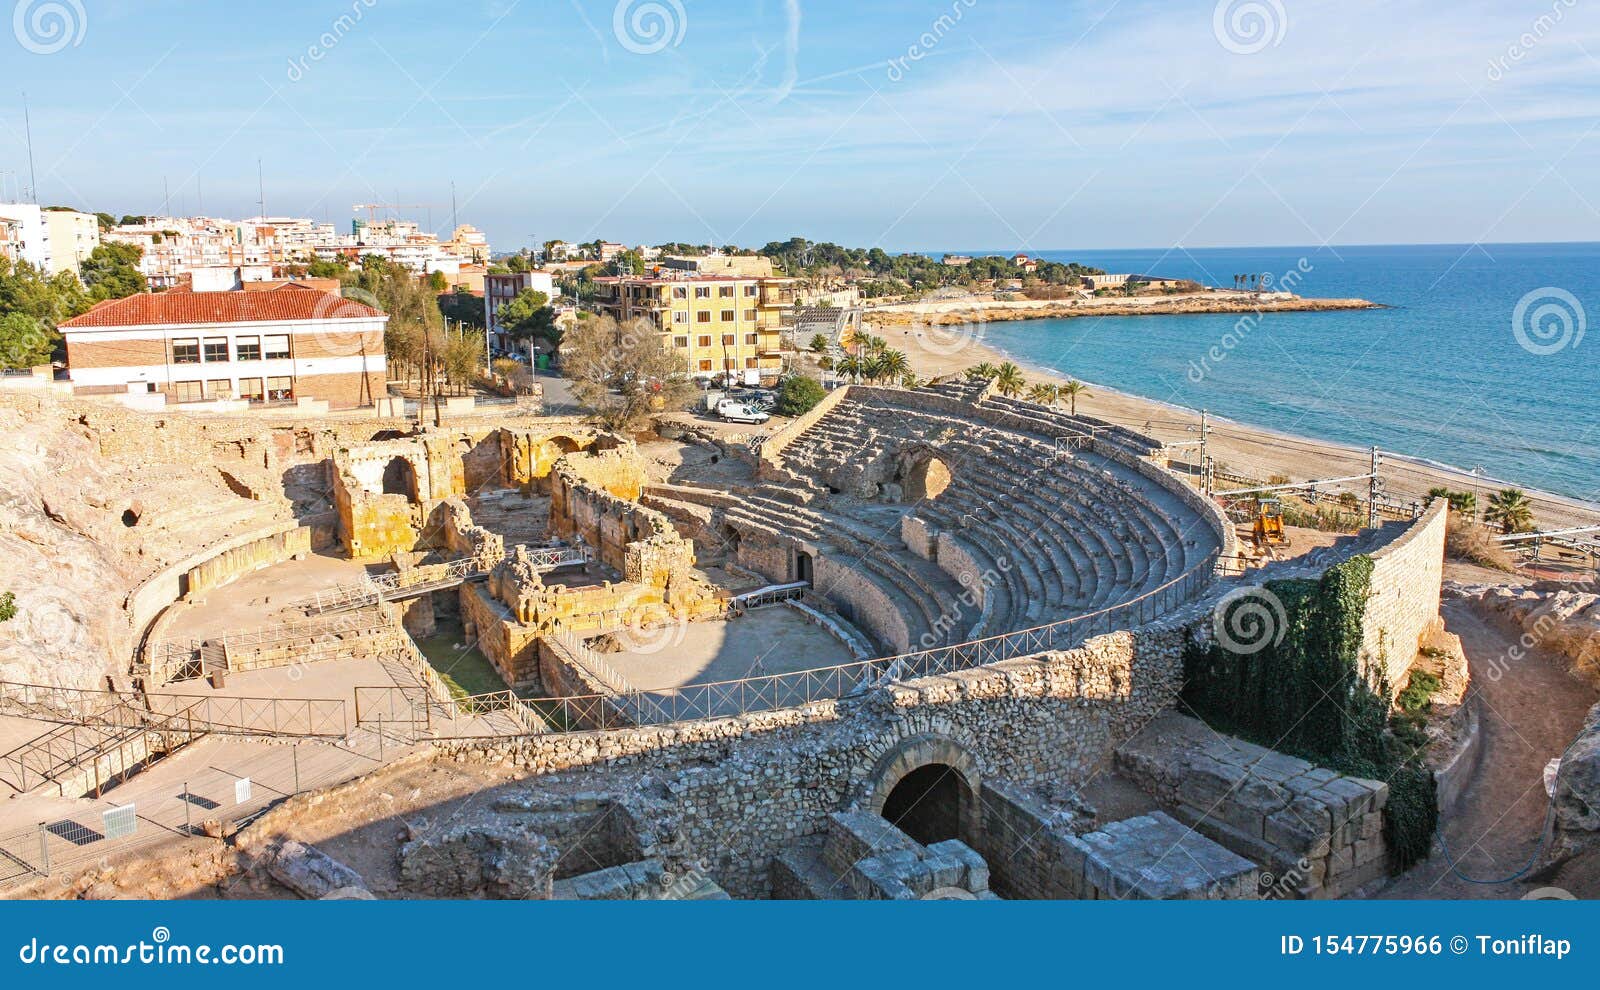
x=558, y=397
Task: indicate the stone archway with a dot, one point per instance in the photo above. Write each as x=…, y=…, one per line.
x=928, y=786
x=400, y=478
x=921, y=474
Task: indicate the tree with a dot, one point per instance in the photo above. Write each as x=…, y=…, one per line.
x=1070, y=392
x=438, y=282
x=462, y=357
x=984, y=372
x=462, y=306
x=891, y=365
x=1465, y=503
x=1008, y=380
x=819, y=344
x=112, y=272
x=1511, y=509
x=8, y=606
x=529, y=317
x=1044, y=393
x=622, y=373
x=629, y=263
x=25, y=341
x=798, y=394
x=516, y=374
x=518, y=263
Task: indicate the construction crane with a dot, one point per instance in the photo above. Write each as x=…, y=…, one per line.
x=373, y=208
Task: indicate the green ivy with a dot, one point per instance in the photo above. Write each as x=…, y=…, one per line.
x=1304, y=694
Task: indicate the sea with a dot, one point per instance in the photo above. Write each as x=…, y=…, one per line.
x=1481, y=358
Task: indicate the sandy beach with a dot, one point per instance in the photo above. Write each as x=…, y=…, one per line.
x=1240, y=448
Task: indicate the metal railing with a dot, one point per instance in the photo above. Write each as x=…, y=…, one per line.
x=822, y=684
x=100, y=749
x=245, y=716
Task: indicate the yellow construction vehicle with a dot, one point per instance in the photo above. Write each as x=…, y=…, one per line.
x=1269, y=523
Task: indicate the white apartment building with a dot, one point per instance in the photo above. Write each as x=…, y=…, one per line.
x=30, y=237
x=499, y=289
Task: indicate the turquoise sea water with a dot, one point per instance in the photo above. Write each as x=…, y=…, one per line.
x=1440, y=374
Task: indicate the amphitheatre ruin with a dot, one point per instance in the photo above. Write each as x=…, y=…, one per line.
x=916, y=643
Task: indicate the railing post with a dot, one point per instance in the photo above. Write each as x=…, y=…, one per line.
x=44, y=848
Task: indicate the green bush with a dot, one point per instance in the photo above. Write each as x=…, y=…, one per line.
x=1304, y=694
x=798, y=395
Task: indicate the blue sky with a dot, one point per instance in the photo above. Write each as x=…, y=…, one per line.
x=909, y=125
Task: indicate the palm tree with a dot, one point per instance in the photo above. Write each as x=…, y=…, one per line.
x=1070, y=392
x=893, y=364
x=1008, y=380
x=1511, y=509
x=910, y=380
x=849, y=366
x=1044, y=393
x=984, y=371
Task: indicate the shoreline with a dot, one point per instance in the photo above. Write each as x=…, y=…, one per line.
x=1244, y=448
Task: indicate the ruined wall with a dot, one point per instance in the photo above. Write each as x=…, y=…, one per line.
x=740, y=789
x=1404, y=602
x=594, y=498
x=509, y=645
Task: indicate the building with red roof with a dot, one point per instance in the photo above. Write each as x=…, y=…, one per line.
x=271, y=345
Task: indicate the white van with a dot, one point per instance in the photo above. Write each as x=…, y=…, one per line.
x=734, y=411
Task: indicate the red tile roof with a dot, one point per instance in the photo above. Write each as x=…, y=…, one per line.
x=287, y=302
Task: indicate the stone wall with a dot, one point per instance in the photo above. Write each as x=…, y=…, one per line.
x=1319, y=833
x=743, y=787
x=509, y=645
x=772, y=448
x=1404, y=604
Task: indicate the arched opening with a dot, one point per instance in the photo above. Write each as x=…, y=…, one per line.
x=400, y=478
x=927, y=478
x=929, y=803
x=803, y=568
x=730, y=541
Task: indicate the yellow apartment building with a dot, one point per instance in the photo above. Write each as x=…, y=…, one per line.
x=716, y=323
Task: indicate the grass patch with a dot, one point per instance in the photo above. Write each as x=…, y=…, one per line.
x=464, y=673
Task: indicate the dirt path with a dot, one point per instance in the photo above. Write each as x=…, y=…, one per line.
x=1528, y=714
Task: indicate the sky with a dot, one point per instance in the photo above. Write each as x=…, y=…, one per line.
x=908, y=125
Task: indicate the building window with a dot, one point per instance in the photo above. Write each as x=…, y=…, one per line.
x=750, y=339
x=681, y=343
x=680, y=292
x=188, y=391
x=279, y=389
x=250, y=388
x=750, y=291
x=750, y=362
x=727, y=316
x=704, y=340
x=749, y=316
x=727, y=340
x=248, y=348
x=705, y=365
x=680, y=317
x=702, y=292
x=216, y=349
x=276, y=346
x=725, y=291
x=704, y=316
x=219, y=388
x=186, y=351
x=728, y=364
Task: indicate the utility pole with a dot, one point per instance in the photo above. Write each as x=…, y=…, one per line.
x=1205, y=458
x=33, y=176
x=454, y=220
x=1374, y=489
x=261, y=187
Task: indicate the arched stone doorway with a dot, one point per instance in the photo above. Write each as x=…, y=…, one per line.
x=923, y=476
x=804, y=567
x=927, y=803
x=928, y=786
x=400, y=478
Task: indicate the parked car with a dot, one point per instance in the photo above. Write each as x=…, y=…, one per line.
x=735, y=411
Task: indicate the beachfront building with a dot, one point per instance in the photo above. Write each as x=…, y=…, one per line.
x=956, y=260
x=715, y=323
x=270, y=345
x=746, y=265
x=27, y=236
